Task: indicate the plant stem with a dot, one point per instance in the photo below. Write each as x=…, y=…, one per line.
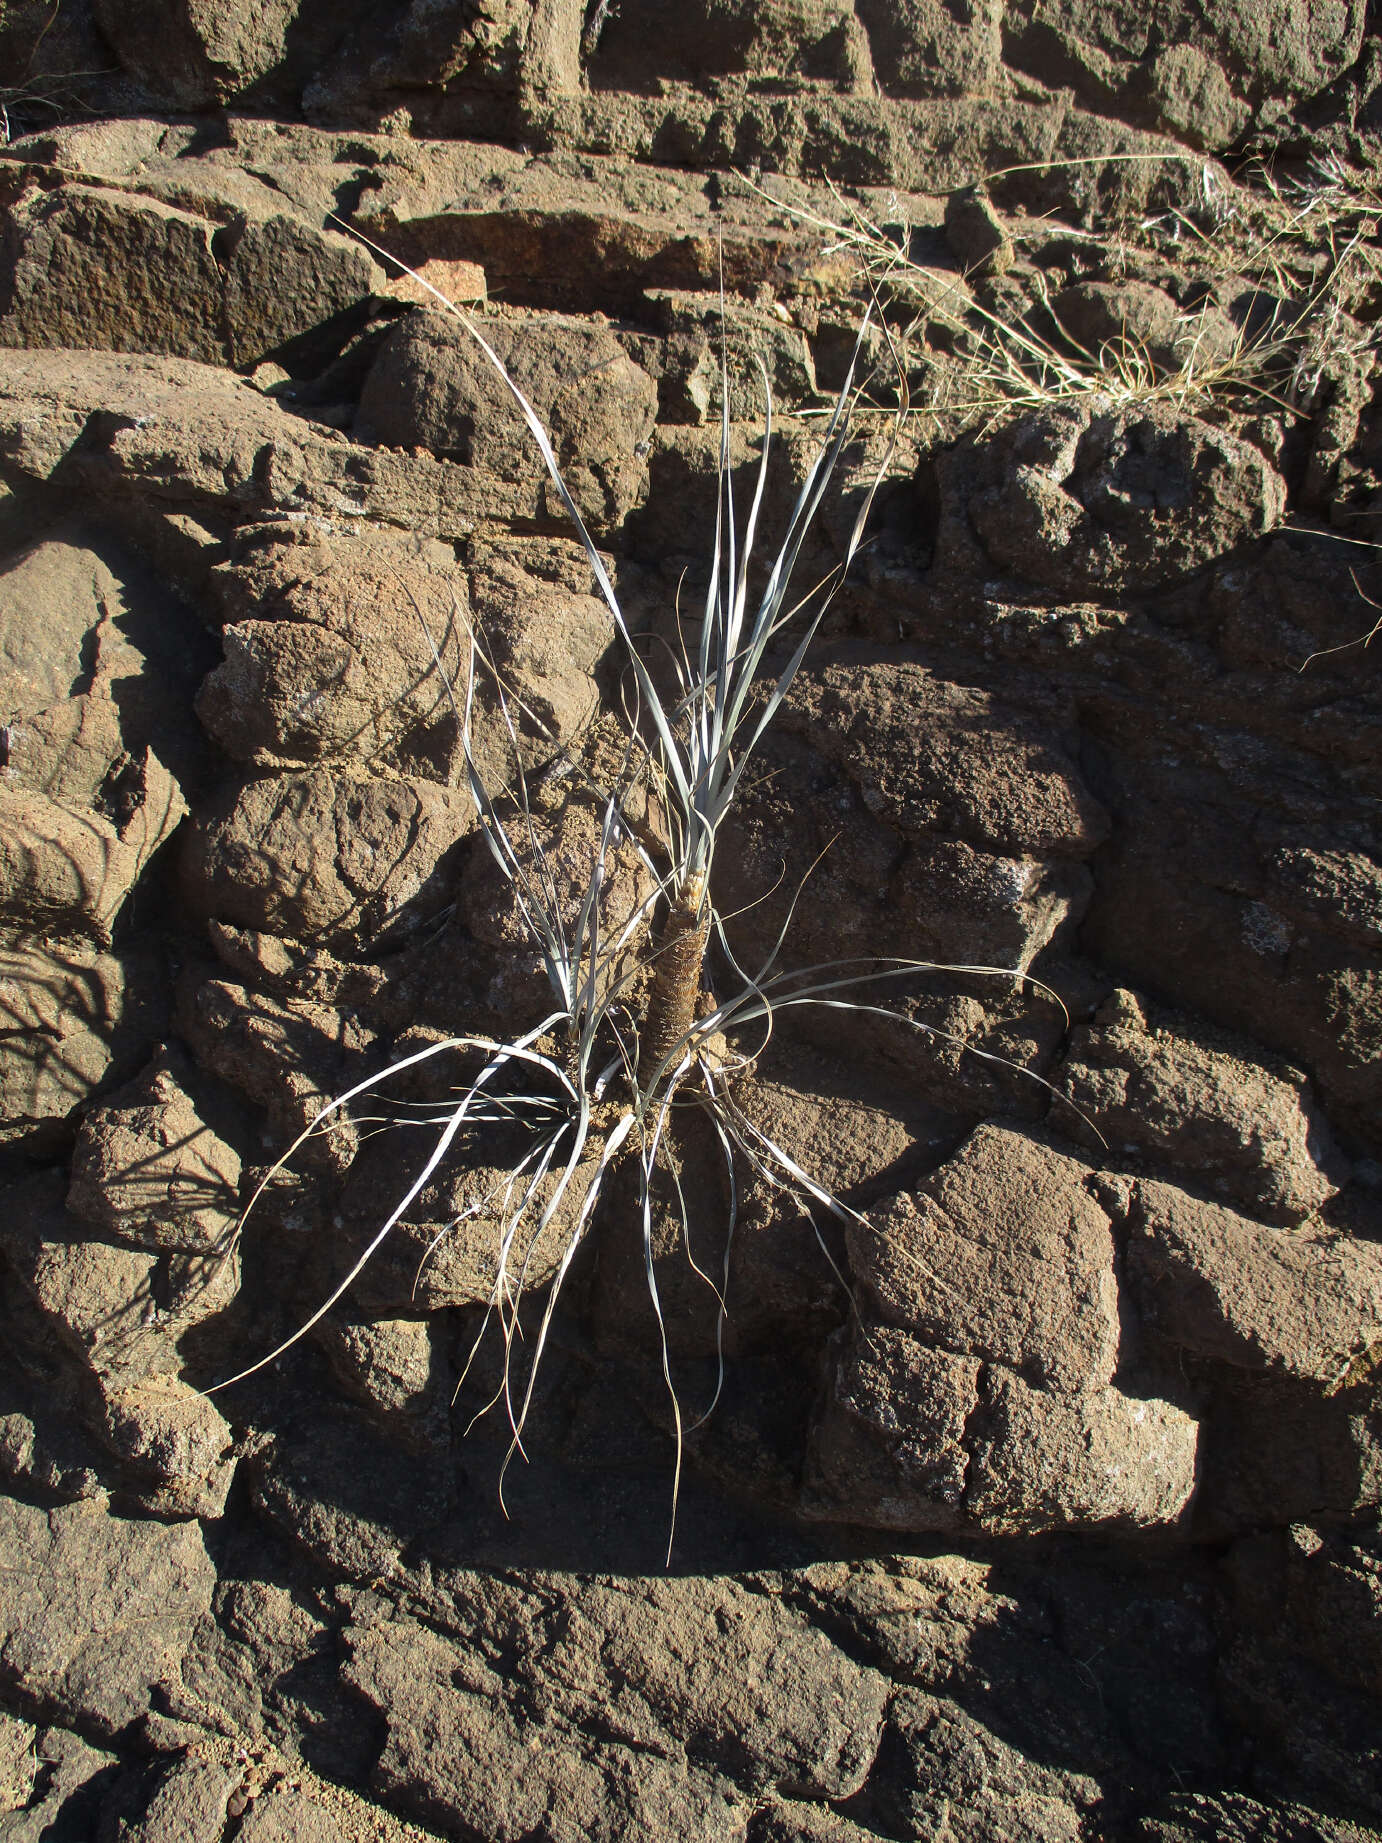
x=678, y=954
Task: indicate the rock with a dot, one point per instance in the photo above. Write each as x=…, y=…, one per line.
x=1043, y=1461
x=1143, y=321
x=911, y=1438
x=83, y=273
x=18, y=1764
x=283, y=1815
x=174, y=1445
x=149, y=1170
x=934, y=757
x=1252, y=1135
x=117, y=1310
x=97, y=1611
x=340, y=857
x=392, y=1365
x=1003, y=1256
x=1304, y=1303
x=194, y=53
x=70, y=1782
x=921, y=48
x=942, y=1772
x=1086, y=501
x=1278, y=1451
x=190, y=1804
x=284, y=279
x=433, y=387
x=446, y=1250
x=644, y=1651
x=290, y=1056
x=1233, y=1817
x=1190, y=96
x=888, y=1447
x=453, y=1745
x=350, y=1499
x=327, y=651
x=976, y=235
x=544, y=630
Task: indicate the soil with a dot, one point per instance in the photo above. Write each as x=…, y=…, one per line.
x=1042, y=1494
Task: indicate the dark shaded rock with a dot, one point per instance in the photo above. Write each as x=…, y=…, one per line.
x=1304, y=1303
x=149, y=1170
x=976, y=234
x=1087, y=502
x=1242, y=1129
x=96, y=1610
x=942, y=1772
x=933, y=757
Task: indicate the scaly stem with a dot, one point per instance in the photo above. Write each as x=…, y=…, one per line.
x=677, y=958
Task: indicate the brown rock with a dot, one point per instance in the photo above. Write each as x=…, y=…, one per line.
x=1003, y=1256
x=934, y=757
x=97, y=1611
x=888, y=1450
x=1305, y=1303
x=432, y=386
x=69, y=1016
x=148, y=1170
x=341, y=858
x=1043, y=1461
x=1251, y=1134
x=328, y=655
x=114, y=271
x=1084, y=501
x=173, y=1443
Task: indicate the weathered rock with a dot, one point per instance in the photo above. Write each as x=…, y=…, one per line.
x=96, y=1610
x=433, y=387
x=1043, y=1461
x=117, y=1310
x=1250, y=1134
x=392, y=1365
x=1003, y=1256
x=150, y=1171
x=190, y=1802
x=452, y=1742
x=194, y=53
x=1088, y=501
x=173, y=1444
x=344, y=858
x=976, y=234
x=888, y=1449
x=801, y=1713
x=942, y=1771
x=111, y=270
x=290, y=1056
x=913, y=1438
x=1304, y=1303
x=67, y=1785
x=327, y=651
x=933, y=757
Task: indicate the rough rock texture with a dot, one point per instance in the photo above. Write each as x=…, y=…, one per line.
x=1012, y=1472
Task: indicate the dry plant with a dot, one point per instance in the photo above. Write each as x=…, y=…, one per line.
x=1313, y=243
x=632, y=1036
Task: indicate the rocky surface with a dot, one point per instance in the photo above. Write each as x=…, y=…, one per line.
x=1040, y=1497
